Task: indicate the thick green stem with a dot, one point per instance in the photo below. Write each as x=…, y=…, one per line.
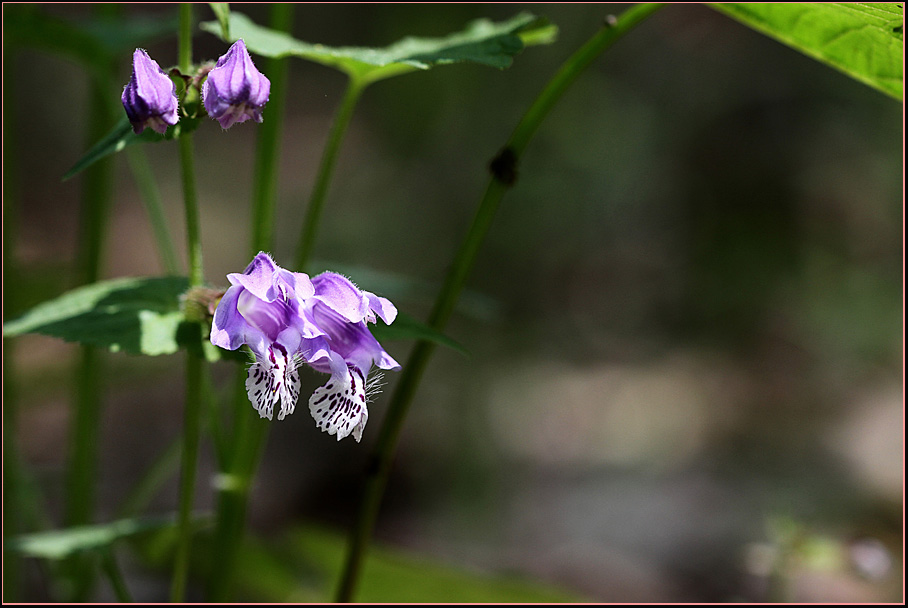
x=191, y=429
x=195, y=362
x=355, y=88
x=503, y=173
x=193, y=234
x=269, y=141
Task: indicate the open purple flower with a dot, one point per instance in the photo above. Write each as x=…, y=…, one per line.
x=150, y=96
x=347, y=351
x=286, y=320
x=235, y=90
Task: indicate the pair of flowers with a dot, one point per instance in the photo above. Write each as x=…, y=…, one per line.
x=287, y=319
x=234, y=91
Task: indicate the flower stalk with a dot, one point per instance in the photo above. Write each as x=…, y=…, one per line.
x=194, y=359
x=311, y=222
x=503, y=174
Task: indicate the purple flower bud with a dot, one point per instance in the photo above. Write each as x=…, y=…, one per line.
x=150, y=96
x=287, y=320
x=235, y=91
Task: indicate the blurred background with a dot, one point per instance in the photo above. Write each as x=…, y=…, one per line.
x=685, y=327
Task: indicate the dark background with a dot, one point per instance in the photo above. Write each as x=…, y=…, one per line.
x=684, y=326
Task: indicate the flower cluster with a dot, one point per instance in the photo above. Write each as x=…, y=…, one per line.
x=233, y=92
x=287, y=319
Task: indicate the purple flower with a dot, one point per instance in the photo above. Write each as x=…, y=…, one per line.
x=347, y=351
x=150, y=96
x=286, y=320
x=235, y=91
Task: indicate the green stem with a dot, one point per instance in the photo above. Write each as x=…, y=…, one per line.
x=355, y=88
x=160, y=472
x=504, y=170
x=233, y=490
x=191, y=429
x=12, y=515
x=112, y=570
x=184, y=50
x=269, y=141
x=195, y=362
x=193, y=234
x=151, y=198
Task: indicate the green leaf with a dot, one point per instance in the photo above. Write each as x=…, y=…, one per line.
x=221, y=10
x=60, y=544
x=135, y=315
x=406, y=327
x=862, y=40
x=122, y=135
x=483, y=42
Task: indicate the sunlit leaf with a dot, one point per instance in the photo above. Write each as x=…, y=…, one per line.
x=483, y=42
x=135, y=315
x=863, y=40
x=59, y=544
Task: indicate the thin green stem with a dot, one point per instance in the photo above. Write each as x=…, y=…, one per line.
x=269, y=141
x=151, y=198
x=154, y=479
x=503, y=170
x=355, y=88
x=112, y=570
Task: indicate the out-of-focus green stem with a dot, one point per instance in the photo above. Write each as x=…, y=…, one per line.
x=151, y=198
x=12, y=518
x=503, y=173
x=265, y=177
x=112, y=570
x=355, y=88
x=81, y=474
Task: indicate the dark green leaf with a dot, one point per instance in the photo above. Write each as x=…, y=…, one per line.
x=122, y=135
x=863, y=40
x=59, y=544
x=135, y=315
x=89, y=42
x=483, y=42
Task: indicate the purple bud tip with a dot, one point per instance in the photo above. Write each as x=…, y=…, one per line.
x=150, y=96
x=235, y=90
